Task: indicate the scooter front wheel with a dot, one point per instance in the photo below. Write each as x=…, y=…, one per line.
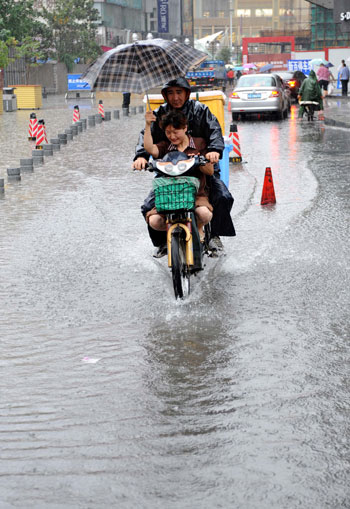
x=179, y=269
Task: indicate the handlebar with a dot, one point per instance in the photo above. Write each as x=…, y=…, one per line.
x=199, y=160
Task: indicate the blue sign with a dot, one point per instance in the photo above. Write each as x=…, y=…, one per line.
x=75, y=83
x=163, y=16
x=300, y=65
x=209, y=63
x=200, y=74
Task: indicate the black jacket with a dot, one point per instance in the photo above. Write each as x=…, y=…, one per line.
x=201, y=123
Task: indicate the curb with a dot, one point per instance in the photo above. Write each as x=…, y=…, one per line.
x=336, y=123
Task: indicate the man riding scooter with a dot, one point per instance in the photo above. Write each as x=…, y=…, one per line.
x=201, y=123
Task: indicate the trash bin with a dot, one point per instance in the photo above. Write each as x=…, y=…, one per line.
x=9, y=99
x=224, y=163
x=214, y=99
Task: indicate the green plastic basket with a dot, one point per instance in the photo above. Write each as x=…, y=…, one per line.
x=175, y=193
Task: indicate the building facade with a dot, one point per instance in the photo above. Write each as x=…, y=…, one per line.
x=252, y=18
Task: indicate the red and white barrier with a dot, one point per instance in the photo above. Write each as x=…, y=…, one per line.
x=101, y=109
x=33, y=127
x=236, y=155
x=76, y=114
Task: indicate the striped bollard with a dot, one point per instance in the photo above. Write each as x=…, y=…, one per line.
x=235, y=156
x=40, y=136
x=76, y=114
x=45, y=136
x=101, y=109
x=33, y=127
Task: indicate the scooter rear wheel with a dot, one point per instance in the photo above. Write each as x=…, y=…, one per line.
x=179, y=269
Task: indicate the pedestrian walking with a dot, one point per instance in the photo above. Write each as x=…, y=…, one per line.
x=230, y=76
x=324, y=76
x=344, y=75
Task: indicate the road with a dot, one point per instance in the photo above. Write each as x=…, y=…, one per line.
x=115, y=395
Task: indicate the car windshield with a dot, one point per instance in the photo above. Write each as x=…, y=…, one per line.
x=256, y=81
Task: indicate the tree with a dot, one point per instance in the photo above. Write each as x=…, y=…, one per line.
x=30, y=51
x=73, y=26
x=225, y=55
x=18, y=19
x=21, y=31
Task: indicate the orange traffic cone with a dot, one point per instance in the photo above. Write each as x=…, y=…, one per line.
x=76, y=114
x=101, y=109
x=33, y=127
x=235, y=156
x=268, y=193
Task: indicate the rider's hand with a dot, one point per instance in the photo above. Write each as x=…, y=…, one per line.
x=150, y=117
x=212, y=157
x=139, y=163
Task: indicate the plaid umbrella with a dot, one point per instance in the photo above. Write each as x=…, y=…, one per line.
x=141, y=65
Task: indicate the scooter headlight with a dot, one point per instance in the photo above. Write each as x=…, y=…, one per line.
x=182, y=166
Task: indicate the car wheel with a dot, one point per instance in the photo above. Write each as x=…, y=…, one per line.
x=234, y=116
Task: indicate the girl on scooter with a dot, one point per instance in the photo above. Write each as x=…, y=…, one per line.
x=175, y=126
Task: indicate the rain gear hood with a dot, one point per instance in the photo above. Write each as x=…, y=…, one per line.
x=178, y=82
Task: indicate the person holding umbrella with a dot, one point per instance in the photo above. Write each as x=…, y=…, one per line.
x=324, y=76
x=202, y=124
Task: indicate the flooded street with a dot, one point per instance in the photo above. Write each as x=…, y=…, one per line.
x=115, y=395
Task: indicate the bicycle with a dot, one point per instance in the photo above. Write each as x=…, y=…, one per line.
x=310, y=107
x=175, y=195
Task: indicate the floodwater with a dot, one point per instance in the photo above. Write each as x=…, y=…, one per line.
x=115, y=395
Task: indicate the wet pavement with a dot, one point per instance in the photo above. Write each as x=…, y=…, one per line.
x=115, y=395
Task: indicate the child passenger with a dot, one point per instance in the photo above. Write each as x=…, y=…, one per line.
x=174, y=125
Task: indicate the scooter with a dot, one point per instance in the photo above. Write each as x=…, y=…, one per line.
x=175, y=193
x=310, y=108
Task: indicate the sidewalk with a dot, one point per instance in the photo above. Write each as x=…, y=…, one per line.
x=337, y=111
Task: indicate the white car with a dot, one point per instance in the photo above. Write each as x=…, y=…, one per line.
x=260, y=93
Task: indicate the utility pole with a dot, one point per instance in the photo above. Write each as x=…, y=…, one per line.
x=231, y=13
